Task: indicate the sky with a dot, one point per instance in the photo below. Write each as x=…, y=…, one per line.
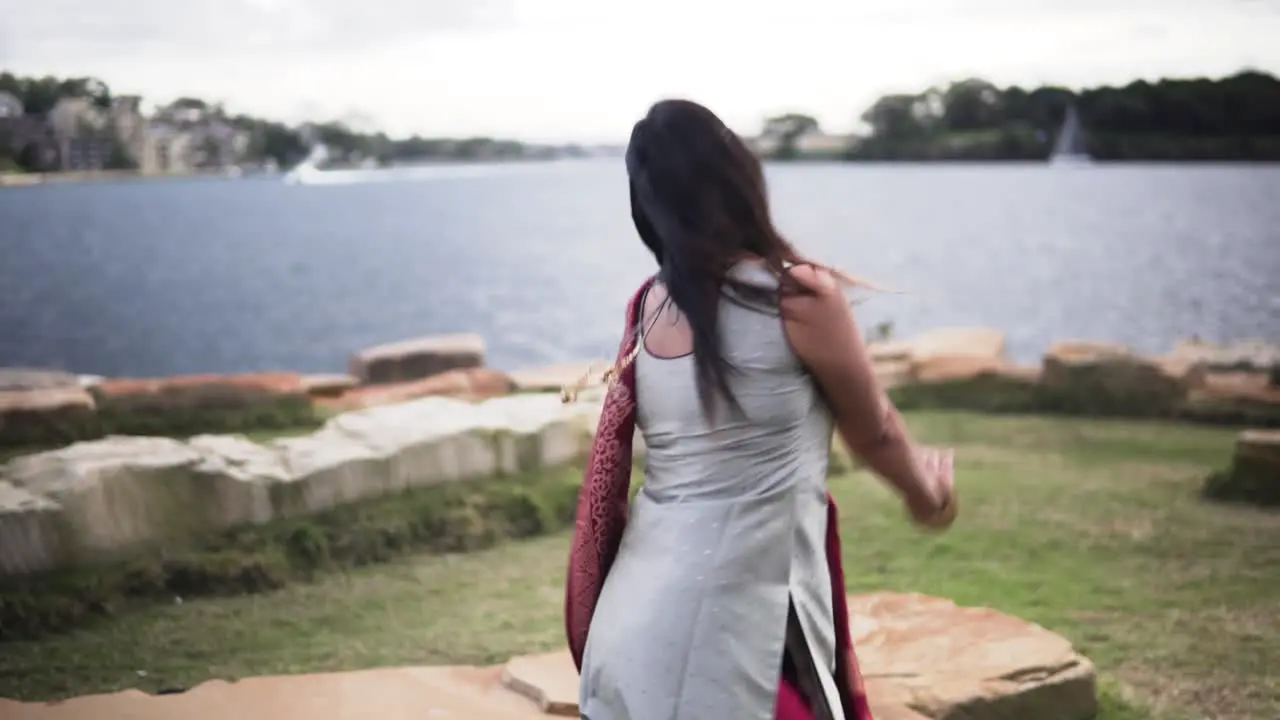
x=585, y=70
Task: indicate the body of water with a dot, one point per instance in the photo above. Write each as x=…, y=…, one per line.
x=170, y=277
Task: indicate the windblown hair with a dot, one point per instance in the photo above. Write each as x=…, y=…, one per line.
x=700, y=204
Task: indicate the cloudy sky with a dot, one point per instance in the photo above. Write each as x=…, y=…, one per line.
x=585, y=69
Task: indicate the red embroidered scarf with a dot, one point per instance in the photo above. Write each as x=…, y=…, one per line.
x=602, y=515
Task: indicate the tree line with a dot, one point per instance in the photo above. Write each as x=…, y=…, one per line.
x=1232, y=118
x=270, y=141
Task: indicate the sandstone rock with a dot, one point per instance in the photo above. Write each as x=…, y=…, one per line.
x=113, y=494
x=364, y=454
x=921, y=656
x=17, y=379
x=973, y=663
x=955, y=367
x=1254, y=475
x=47, y=415
x=233, y=480
x=472, y=383
x=955, y=354
x=422, y=693
x=1190, y=374
x=327, y=469
x=327, y=385
x=1103, y=379
x=958, y=342
x=1247, y=398
x=946, y=354
x=116, y=492
x=973, y=383
x=189, y=404
x=553, y=378
x=417, y=359
x=892, y=373
x=266, y=383
x=29, y=538
x=546, y=681
x=1087, y=350
x=889, y=351
x=1249, y=355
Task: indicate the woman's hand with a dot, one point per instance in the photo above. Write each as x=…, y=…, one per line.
x=939, y=511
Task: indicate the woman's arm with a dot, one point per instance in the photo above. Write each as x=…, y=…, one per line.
x=826, y=338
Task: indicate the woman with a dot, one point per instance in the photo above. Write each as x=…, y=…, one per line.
x=718, y=593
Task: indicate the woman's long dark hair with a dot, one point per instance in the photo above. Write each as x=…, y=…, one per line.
x=700, y=204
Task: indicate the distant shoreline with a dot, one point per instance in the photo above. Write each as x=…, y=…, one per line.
x=21, y=179
x=16, y=180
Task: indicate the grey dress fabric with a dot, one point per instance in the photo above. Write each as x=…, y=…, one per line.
x=728, y=529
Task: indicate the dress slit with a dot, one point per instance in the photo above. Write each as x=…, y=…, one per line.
x=801, y=674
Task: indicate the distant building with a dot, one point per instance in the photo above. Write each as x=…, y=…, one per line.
x=813, y=144
x=181, y=114
x=130, y=126
x=31, y=142
x=83, y=133
x=79, y=135
x=185, y=137
x=820, y=144
x=168, y=150
x=219, y=144
x=764, y=145
x=10, y=106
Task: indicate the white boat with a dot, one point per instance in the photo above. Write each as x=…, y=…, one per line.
x=307, y=169
x=1070, y=149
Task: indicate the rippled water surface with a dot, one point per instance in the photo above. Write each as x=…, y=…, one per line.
x=153, y=278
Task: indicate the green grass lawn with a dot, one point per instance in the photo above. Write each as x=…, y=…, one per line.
x=1091, y=528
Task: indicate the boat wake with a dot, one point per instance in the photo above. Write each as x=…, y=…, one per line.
x=310, y=174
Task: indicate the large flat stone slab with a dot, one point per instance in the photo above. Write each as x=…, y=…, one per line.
x=444, y=693
x=921, y=656
x=974, y=663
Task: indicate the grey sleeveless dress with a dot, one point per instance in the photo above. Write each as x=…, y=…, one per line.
x=727, y=533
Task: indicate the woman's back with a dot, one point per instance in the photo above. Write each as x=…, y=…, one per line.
x=726, y=535
x=782, y=436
